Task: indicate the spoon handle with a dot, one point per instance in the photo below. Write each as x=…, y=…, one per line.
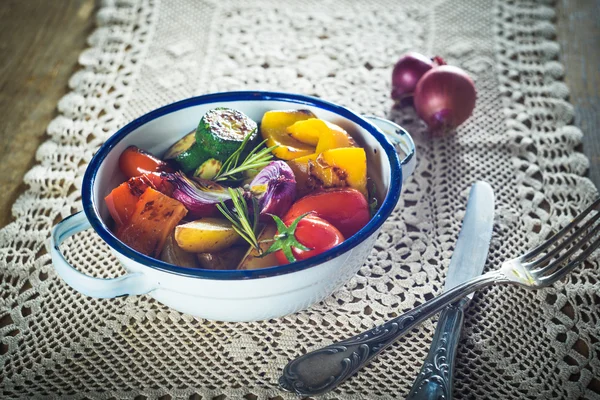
x=324, y=369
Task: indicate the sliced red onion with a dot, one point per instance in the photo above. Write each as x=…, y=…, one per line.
x=275, y=189
x=199, y=196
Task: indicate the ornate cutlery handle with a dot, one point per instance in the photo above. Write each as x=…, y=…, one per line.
x=434, y=380
x=323, y=369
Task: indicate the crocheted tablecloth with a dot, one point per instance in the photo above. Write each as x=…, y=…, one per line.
x=146, y=53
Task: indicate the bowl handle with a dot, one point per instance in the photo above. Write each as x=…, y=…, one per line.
x=401, y=140
x=130, y=283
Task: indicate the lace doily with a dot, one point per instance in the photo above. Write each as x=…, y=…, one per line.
x=145, y=53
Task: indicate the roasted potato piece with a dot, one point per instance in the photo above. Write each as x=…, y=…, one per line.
x=226, y=259
x=206, y=235
x=252, y=260
x=173, y=254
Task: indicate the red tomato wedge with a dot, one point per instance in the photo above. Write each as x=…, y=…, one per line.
x=316, y=234
x=345, y=208
x=121, y=200
x=135, y=162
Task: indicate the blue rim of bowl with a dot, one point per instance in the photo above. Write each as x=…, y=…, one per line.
x=384, y=211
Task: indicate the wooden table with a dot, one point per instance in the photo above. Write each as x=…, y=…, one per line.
x=40, y=41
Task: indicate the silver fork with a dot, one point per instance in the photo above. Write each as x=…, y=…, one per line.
x=323, y=369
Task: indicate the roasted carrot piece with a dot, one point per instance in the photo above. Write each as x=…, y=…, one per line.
x=154, y=218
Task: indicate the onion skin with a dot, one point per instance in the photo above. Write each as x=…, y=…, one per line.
x=275, y=189
x=444, y=98
x=199, y=197
x=407, y=72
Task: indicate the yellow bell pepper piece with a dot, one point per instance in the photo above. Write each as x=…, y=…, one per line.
x=342, y=167
x=321, y=134
x=273, y=129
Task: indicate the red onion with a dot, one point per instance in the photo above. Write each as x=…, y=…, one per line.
x=444, y=97
x=275, y=189
x=199, y=196
x=407, y=72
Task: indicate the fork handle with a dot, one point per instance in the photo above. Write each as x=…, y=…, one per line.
x=324, y=369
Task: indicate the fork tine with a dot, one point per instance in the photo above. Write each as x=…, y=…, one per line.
x=560, y=273
x=543, y=246
x=551, y=254
x=565, y=256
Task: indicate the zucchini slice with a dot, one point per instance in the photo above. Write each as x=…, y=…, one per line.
x=181, y=146
x=187, y=153
x=208, y=169
x=222, y=130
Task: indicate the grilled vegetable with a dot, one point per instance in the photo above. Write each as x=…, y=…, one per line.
x=154, y=218
x=199, y=196
x=122, y=200
x=222, y=130
x=135, y=162
x=180, y=146
x=273, y=127
x=186, y=153
x=253, y=260
x=206, y=235
x=222, y=260
x=321, y=134
x=208, y=169
x=345, y=167
x=173, y=254
x=275, y=189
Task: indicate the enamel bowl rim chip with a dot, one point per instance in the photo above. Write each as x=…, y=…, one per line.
x=387, y=206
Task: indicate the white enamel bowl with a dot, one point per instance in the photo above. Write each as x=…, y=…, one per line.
x=231, y=295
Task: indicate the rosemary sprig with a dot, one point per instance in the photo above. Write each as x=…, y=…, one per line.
x=233, y=159
x=257, y=158
x=240, y=219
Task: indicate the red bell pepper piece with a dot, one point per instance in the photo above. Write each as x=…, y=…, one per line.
x=121, y=200
x=153, y=220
